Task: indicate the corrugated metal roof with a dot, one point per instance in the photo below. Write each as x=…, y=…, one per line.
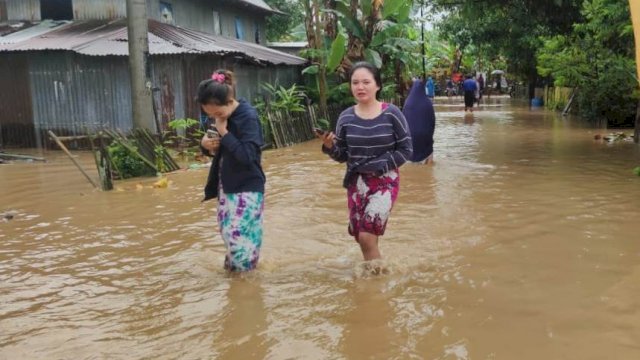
x=207, y=43
x=288, y=44
x=8, y=28
x=101, y=38
x=25, y=31
x=261, y=5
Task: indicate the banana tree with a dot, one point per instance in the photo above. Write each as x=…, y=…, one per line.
x=364, y=21
x=380, y=32
x=317, y=21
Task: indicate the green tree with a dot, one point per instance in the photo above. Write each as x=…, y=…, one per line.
x=380, y=32
x=596, y=58
x=507, y=28
x=281, y=27
x=321, y=29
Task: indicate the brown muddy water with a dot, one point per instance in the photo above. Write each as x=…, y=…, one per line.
x=522, y=242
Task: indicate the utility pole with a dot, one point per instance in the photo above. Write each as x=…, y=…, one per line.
x=139, y=69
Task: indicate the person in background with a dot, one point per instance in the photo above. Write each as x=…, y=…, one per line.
x=450, y=87
x=469, y=86
x=430, y=89
x=421, y=117
x=480, y=82
x=236, y=177
x=373, y=138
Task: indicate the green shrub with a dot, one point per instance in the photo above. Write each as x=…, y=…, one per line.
x=287, y=99
x=127, y=164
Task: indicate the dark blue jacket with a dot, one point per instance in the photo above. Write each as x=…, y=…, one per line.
x=421, y=117
x=470, y=85
x=241, y=150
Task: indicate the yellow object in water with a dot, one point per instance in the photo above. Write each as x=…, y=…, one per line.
x=162, y=183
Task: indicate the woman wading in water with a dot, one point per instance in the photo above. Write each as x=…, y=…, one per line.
x=373, y=138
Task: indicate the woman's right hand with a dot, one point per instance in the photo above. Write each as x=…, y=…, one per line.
x=328, y=139
x=211, y=144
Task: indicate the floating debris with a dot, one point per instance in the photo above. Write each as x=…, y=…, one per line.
x=619, y=136
x=8, y=215
x=7, y=156
x=162, y=183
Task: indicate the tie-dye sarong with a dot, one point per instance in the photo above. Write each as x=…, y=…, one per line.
x=370, y=200
x=240, y=222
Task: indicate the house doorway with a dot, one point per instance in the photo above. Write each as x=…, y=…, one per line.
x=56, y=9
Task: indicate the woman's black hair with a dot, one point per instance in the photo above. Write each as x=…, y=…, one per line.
x=218, y=90
x=372, y=69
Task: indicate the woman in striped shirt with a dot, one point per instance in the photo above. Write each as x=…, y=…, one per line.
x=373, y=138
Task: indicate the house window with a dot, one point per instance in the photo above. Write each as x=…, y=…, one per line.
x=239, y=28
x=216, y=23
x=256, y=32
x=166, y=13
x=56, y=10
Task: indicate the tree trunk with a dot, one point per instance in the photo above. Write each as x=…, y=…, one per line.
x=400, y=84
x=308, y=24
x=372, y=21
x=355, y=48
x=330, y=20
x=322, y=68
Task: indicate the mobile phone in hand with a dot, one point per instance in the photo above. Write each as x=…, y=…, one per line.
x=212, y=134
x=319, y=131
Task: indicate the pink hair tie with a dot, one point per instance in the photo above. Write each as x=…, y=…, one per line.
x=217, y=77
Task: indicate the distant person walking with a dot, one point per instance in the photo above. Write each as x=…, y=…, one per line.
x=469, y=86
x=430, y=88
x=480, y=85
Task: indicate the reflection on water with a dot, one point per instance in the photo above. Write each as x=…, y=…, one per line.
x=521, y=242
x=244, y=327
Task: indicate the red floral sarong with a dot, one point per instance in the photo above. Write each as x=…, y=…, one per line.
x=370, y=200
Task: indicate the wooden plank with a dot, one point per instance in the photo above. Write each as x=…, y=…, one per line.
x=568, y=106
x=274, y=131
x=21, y=157
x=66, y=151
x=70, y=138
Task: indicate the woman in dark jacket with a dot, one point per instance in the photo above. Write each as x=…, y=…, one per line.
x=236, y=177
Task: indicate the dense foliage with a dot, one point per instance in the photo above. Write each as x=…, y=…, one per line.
x=584, y=44
x=596, y=58
x=506, y=28
x=280, y=26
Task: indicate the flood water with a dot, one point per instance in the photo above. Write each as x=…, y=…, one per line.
x=522, y=242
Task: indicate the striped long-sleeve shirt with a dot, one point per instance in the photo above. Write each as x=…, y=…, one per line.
x=371, y=146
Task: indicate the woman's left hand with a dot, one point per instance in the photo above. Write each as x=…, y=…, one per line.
x=221, y=126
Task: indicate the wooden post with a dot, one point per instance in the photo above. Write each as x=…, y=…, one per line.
x=103, y=163
x=636, y=133
x=568, y=106
x=66, y=151
x=274, y=134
